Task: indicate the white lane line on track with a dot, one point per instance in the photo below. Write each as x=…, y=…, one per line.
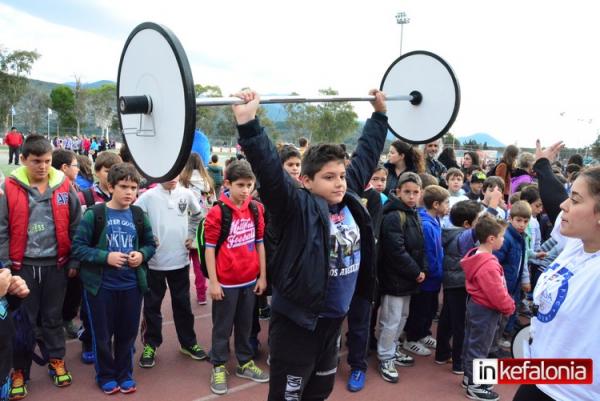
x=244, y=386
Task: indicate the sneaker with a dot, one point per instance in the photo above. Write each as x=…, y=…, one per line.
x=481, y=392
x=147, y=358
x=18, y=388
x=401, y=359
x=458, y=371
x=250, y=371
x=443, y=361
x=465, y=383
x=429, y=342
x=201, y=301
x=195, y=352
x=388, y=371
x=504, y=343
x=416, y=348
x=87, y=354
x=356, y=382
x=59, y=373
x=264, y=313
x=218, y=379
x=110, y=387
x=128, y=387
x=70, y=329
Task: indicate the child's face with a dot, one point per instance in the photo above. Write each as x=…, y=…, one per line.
x=124, y=193
x=393, y=155
x=240, y=189
x=37, y=167
x=170, y=185
x=442, y=208
x=455, y=183
x=71, y=170
x=409, y=193
x=519, y=223
x=292, y=166
x=489, y=191
x=102, y=175
x=476, y=187
x=496, y=241
x=329, y=182
x=378, y=180
x=536, y=208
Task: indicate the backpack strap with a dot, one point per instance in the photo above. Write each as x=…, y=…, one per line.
x=226, y=219
x=138, y=219
x=255, y=215
x=88, y=197
x=99, y=212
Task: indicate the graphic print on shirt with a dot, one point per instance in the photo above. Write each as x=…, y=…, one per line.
x=182, y=205
x=120, y=233
x=556, y=288
x=241, y=233
x=345, y=244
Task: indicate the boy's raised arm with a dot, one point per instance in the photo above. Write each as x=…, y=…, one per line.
x=369, y=147
x=277, y=191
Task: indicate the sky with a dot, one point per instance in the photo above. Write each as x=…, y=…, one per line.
x=526, y=69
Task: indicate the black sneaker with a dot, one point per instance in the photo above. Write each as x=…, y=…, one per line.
x=148, y=355
x=264, y=313
x=195, y=352
x=388, y=371
x=481, y=392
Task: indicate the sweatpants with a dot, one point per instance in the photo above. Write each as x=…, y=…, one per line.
x=179, y=287
x=303, y=362
x=114, y=317
x=393, y=315
x=72, y=298
x=420, y=316
x=13, y=153
x=47, y=286
x=233, y=312
x=452, y=325
x=359, y=317
x=480, y=326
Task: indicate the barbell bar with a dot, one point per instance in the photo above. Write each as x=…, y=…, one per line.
x=157, y=102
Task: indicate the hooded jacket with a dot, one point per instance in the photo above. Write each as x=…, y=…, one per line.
x=432, y=234
x=513, y=259
x=401, y=250
x=485, y=282
x=518, y=177
x=237, y=261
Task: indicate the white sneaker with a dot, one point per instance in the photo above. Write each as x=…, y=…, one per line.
x=504, y=343
x=429, y=342
x=416, y=348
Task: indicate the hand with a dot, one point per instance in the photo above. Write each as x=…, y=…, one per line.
x=247, y=111
x=117, y=259
x=5, y=280
x=421, y=277
x=215, y=291
x=541, y=255
x=379, y=102
x=18, y=287
x=188, y=243
x=496, y=197
x=72, y=273
x=135, y=259
x=526, y=287
x=548, y=153
x=156, y=242
x=261, y=286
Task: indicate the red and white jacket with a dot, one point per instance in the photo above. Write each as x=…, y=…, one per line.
x=237, y=261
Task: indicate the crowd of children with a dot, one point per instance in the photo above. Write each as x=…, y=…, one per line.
x=326, y=235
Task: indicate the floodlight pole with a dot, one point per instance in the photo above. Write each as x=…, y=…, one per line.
x=402, y=19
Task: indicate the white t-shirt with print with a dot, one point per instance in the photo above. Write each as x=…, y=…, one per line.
x=568, y=322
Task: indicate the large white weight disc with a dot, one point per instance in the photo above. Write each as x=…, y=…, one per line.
x=153, y=63
x=520, y=343
x=432, y=77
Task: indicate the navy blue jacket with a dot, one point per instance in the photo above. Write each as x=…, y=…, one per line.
x=512, y=258
x=300, y=221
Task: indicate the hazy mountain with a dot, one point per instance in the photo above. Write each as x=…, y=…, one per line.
x=482, y=138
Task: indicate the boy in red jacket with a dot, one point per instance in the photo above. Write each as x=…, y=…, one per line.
x=237, y=271
x=488, y=300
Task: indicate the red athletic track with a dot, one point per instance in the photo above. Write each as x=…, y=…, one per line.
x=177, y=377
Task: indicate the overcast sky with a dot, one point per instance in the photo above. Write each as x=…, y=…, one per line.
x=526, y=69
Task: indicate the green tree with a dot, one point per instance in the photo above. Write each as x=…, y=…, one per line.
x=33, y=108
x=79, y=104
x=334, y=121
x=101, y=103
x=63, y=102
x=449, y=140
x=14, y=66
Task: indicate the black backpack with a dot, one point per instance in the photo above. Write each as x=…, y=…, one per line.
x=226, y=219
x=88, y=197
x=99, y=212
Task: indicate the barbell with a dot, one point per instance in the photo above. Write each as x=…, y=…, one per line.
x=157, y=102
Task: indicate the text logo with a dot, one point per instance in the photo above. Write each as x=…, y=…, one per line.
x=532, y=371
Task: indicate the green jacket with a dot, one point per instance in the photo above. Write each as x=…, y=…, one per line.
x=94, y=257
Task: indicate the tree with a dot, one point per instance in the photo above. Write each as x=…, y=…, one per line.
x=449, y=140
x=63, y=102
x=14, y=66
x=101, y=103
x=596, y=148
x=471, y=144
x=80, y=104
x=33, y=107
x=301, y=119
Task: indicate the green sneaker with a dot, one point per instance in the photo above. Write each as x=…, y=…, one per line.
x=250, y=371
x=218, y=379
x=148, y=355
x=195, y=352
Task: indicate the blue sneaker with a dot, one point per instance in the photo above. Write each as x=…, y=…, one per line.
x=110, y=387
x=356, y=382
x=128, y=386
x=87, y=354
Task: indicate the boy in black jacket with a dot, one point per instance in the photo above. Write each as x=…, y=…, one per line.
x=326, y=249
x=401, y=267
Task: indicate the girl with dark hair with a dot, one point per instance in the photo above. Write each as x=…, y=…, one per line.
x=470, y=159
x=85, y=178
x=402, y=157
x=505, y=168
x=576, y=159
x=448, y=158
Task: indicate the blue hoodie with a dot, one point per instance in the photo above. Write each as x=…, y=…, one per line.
x=432, y=234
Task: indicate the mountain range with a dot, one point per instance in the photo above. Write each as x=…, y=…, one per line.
x=482, y=138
